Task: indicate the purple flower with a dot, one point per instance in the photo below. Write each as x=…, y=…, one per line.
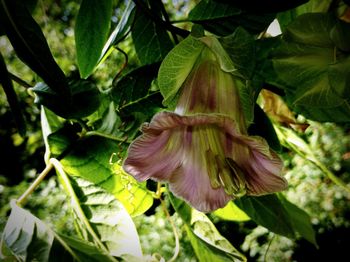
x=202, y=149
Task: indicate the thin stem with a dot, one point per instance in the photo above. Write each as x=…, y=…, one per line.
x=268, y=247
x=22, y=199
x=19, y=81
x=176, y=235
x=96, y=133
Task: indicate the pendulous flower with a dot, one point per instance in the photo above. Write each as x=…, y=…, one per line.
x=202, y=149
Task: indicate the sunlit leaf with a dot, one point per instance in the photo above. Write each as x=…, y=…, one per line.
x=94, y=160
x=26, y=236
x=151, y=41
x=267, y=211
x=231, y=212
x=30, y=44
x=91, y=31
x=134, y=195
x=102, y=219
x=176, y=67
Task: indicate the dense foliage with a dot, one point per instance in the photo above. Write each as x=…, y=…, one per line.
x=80, y=78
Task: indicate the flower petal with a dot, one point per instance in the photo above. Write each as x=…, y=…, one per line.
x=192, y=183
x=154, y=155
x=264, y=170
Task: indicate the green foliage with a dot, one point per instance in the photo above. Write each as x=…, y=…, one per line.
x=30, y=44
x=151, y=41
x=317, y=85
x=176, y=67
x=206, y=241
x=88, y=124
x=91, y=31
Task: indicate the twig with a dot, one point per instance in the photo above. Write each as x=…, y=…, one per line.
x=126, y=61
x=21, y=200
x=176, y=235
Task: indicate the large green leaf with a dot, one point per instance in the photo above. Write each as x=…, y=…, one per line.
x=312, y=70
x=151, y=41
x=91, y=31
x=176, y=67
x=268, y=211
x=223, y=18
x=300, y=220
x=101, y=218
x=93, y=159
x=84, y=100
x=205, y=239
x=11, y=96
x=30, y=44
x=26, y=236
x=240, y=46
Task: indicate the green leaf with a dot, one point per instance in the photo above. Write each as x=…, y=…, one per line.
x=84, y=101
x=84, y=251
x=231, y=212
x=312, y=71
x=133, y=92
x=269, y=212
x=93, y=159
x=30, y=44
x=176, y=67
x=101, y=218
x=223, y=18
x=30, y=239
x=266, y=6
x=206, y=10
x=205, y=239
x=121, y=30
x=134, y=195
x=11, y=96
x=300, y=220
x=240, y=46
x=91, y=31
x=26, y=236
x=151, y=41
